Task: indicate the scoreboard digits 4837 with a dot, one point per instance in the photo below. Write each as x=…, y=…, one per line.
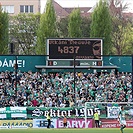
x=82, y=49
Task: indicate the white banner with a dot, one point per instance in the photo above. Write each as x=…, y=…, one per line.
x=42, y=123
x=112, y=112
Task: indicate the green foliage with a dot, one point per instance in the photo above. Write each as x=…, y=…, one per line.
x=23, y=34
x=74, y=24
x=122, y=33
x=85, y=24
x=4, y=24
x=122, y=40
x=47, y=28
x=62, y=26
x=101, y=25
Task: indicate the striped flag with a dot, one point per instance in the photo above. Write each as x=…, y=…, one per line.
x=13, y=112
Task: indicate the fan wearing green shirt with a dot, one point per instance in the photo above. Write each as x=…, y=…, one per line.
x=122, y=119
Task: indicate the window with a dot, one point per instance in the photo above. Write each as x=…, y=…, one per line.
x=31, y=8
x=26, y=8
x=8, y=8
x=21, y=8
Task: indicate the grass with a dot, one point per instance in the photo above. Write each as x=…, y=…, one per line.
x=93, y=130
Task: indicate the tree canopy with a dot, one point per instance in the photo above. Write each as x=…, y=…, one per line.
x=23, y=34
x=4, y=32
x=74, y=24
x=47, y=28
x=101, y=26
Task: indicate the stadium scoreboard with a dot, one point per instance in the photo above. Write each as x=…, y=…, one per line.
x=64, y=52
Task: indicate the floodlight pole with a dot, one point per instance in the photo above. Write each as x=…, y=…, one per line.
x=16, y=68
x=74, y=78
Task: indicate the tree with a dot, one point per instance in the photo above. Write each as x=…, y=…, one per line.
x=85, y=24
x=74, y=24
x=117, y=7
x=4, y=36
x=122, y=37
x=122, y=40
x=101, y=25
x=23, y=33
x=62, y=26
x=47, y=28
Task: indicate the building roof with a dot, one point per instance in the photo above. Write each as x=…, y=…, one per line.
x=65, y=11
x=62, y=12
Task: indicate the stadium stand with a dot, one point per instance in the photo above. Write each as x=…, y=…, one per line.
x=58, y=90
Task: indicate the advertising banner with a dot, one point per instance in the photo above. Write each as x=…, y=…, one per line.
x=25, y=63
x=16, y=123
x=75, y=123
x=114, y=124
x=58, y=123
x=42, y=123
x=13, y=112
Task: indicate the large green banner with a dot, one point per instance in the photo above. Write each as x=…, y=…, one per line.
x=27, y=63
x=40, y=113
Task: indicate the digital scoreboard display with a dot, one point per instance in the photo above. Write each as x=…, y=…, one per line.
x=80, y=49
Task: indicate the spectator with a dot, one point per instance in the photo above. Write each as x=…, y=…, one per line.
x=65, y=121
x=34, y=102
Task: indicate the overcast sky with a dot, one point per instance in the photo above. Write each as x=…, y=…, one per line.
x=86, y=3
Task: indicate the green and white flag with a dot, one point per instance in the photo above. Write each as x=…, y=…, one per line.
x=13, y=112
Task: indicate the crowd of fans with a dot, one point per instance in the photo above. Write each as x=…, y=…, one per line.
x=59, y=90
